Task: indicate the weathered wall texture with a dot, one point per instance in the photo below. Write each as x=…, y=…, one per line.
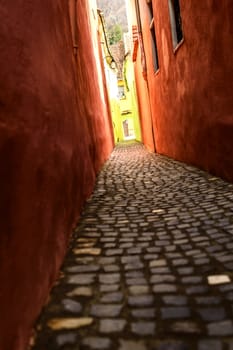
x=54, y=136
x=191, y=95
x=140, y=82
x=144, y=107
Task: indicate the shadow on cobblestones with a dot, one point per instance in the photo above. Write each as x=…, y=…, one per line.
x=150, y=264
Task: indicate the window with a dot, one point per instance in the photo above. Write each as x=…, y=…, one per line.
x=153, y=36
x=176, y=22
x=121, y=92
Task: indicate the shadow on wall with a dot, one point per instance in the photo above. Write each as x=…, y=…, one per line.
x=47, y=169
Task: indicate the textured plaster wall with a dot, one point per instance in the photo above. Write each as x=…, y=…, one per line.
x=191, y=95
x=54, y=136
x=142, y=95
x=144, y=106
x=131, y=96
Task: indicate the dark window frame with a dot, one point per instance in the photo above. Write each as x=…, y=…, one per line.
x=176, y=23
x=154, y=46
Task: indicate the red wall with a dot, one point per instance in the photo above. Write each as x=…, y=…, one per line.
x=191, y=95
x=54, y=136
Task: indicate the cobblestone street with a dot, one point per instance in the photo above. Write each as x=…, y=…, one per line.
x=150, y=264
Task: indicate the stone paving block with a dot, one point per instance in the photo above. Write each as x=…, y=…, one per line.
x=173, y=346
x=174, y=255
x=170, y=248
x=225, y=258
x=212, y=313
x=109, y=245
x=84, y=260
x=107, y=239
x=162, y=278
x=222, y=328
x=136, y=281
x=143, y=328
x=191, y=279
x=180, y=262
x=197, y=289
x=193, y=252
x=164, y=288
x=83, y=268
x=105, y=310
x=229, y=296
x=143, y=313
x=175, y=299
x=71, y=305
x=115, y=297
x=153, y=250
x=185, y=327
x=210, y=345
x=132, y=345
x=185, y=270
x=113, y=252
x=134, y=250
x=97, y=342
x=186, y=247
x=126, y=245
x=130, y=259
x=106, y=260
x=201, y=261
x=176, y=312
x=111, y=268
x=69, y=323
x=160, y=270
x=208, y=300
x=109, y=288
x=138, y=289
x=226, y=287
x=150, y=256
x=66, y=339
x=134, y=266
x=112, y=325
x=81, y=279
x=87, y=251
x=134, y=274
x=141, y=300
x=162, y=243
x=158, y=263
x=81, y=291
x=112, y=278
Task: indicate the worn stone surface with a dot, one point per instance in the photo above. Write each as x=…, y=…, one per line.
x=105, y=310
x=143, y=328
x=210, y=344
x=150, y=264
x=81, y=291
x=130, y=344
x=221, y=328
x=112, y=325
x=97, y=342
x=69, y=323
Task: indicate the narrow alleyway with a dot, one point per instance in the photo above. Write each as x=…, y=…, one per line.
x=150, y=265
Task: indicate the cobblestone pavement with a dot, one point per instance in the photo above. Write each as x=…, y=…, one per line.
x=150, y=265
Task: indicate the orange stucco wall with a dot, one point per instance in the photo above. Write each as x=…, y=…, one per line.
x=144, y=107
x=191, y=95
x=54, y=136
